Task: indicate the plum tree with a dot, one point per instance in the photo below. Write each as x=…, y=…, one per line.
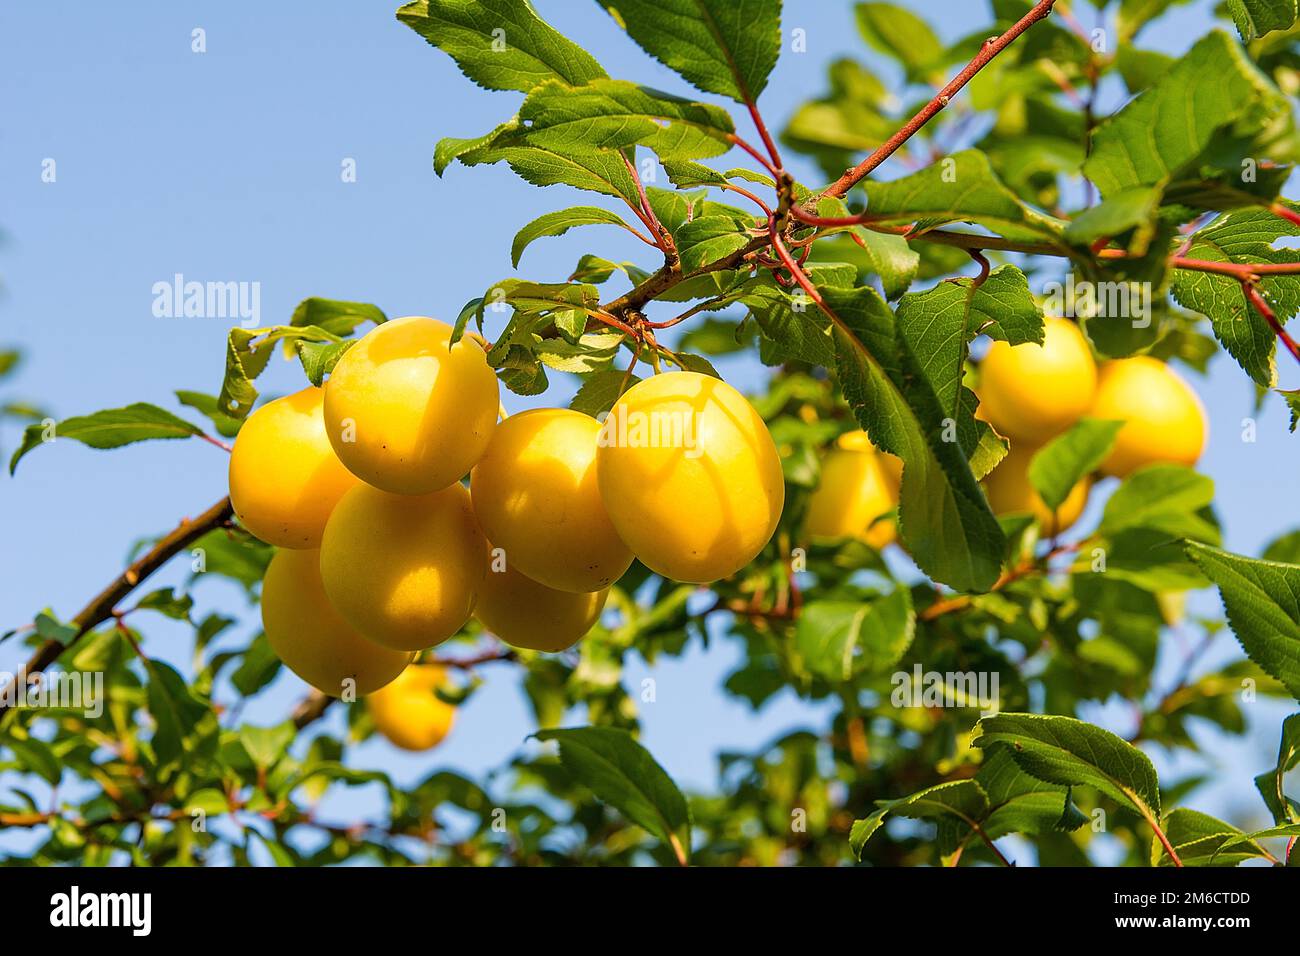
x=409, y=712
x=408, y=411
x=526, y=614
x=1164, y=419
x=852, y=305
x=1033, y=392
x=404, y=570
x=536, y=496
x=311, y=638
x=690, y=476
x=284, y=477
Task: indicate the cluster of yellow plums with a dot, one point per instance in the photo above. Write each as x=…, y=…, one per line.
x=383, y=552
x=1030, y=394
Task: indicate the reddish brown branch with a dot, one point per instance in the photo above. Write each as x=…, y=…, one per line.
x=647, y=215
x=1282, y=211
x=988, y=51
x=101, y=607
x=762, y=160
x=768, y=142
x=1263, y=308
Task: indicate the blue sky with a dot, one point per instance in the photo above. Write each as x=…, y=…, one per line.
x=225, y=165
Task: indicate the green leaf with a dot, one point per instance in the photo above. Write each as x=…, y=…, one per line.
x=1059, y=465
x=941, y=322
x=875, y=254
x=1242, y=236
x=1254, y=18
x=696, y=363
x=1251, y=840
x=559, y=222
x=897, y=32
x=247, y=353
x=1201, y=840
x=534, y=299
x=601, y=390
x=110, y=428
x=709, y=238
x=1141, y=68
x=500, y=44
x=840, y=640
x=961, y=188
x=319, y=358
x=1072, y=753
x=685, y=174
x=964, y=800
x=175, y=710
x=1269, y=784
x=206, y=405
x=593, y=352
x=602, y=172
x=615, y=114
x=943, y=516
x=266, y=745
x=1212, y=98
x=1017, y=803
x=258, y=666
x=168, y=603
x=1292, y=399
x=1263, y=603
x=49, y=628
x=721, y=46
x=1165, y=498
x=1284, y=548
x=595, y=269
x=794, y=325
x=335, y=315
x=620, y=772
x=451, y=148
x=233, y=554
x=1132, y=208
x=35, y=756
x=280, y=853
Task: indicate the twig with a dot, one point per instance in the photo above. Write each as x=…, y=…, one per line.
x=215, y=441
x=664, y=239
x=768, y=142
x=960, y=602
x=1282, y=211
x=1257, y=301
x=988, y=51
x=100, y=608
x=311, y=708
x=735, y=140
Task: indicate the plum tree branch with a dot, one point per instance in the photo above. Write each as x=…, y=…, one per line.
x=102, y=606
x=1257, y=302
x=988, y=51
